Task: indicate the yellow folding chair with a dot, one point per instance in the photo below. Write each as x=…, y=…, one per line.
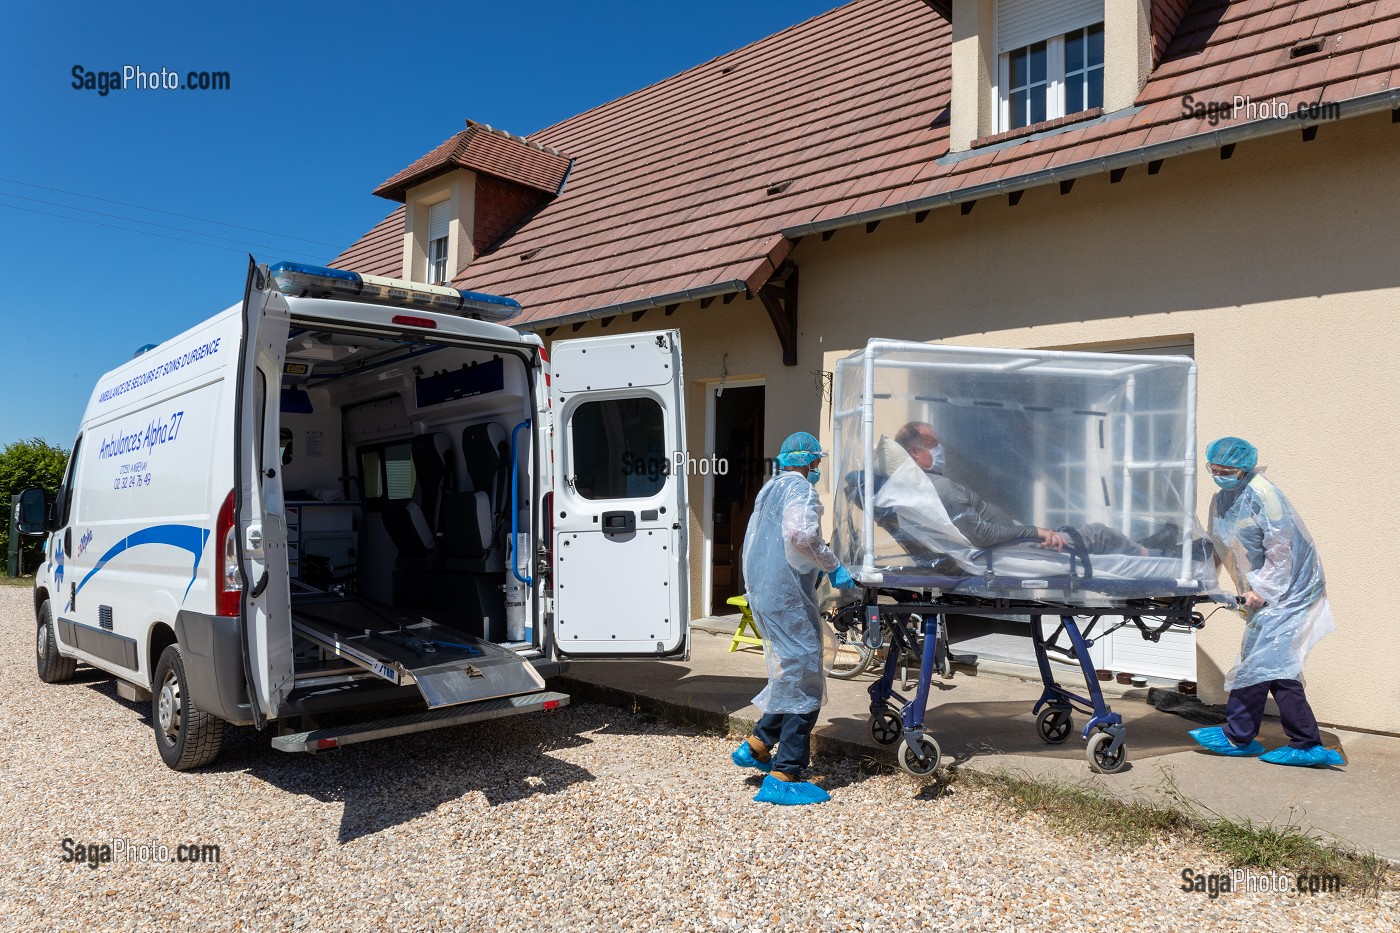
x=746, y=624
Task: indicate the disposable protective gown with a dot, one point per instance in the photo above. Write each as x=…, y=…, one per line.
x=1266, y=548
x=783, y=552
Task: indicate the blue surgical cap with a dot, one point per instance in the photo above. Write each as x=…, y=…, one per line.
x=799, y=449
x=1232, y=452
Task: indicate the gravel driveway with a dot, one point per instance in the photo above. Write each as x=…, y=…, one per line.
x=590, y=818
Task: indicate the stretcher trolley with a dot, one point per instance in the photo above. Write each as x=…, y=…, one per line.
x=1053, y=485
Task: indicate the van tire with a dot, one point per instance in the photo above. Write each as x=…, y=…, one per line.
x=186, y=736
x=53, y=667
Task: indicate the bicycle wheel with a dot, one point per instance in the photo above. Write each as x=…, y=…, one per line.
x=852, y=656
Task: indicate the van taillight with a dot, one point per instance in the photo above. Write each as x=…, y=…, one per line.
x=228, y=599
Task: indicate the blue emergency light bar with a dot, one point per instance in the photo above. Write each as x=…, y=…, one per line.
x=305, y=281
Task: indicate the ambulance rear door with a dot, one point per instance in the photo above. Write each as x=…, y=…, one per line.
x=620, y=524
x=262, y=523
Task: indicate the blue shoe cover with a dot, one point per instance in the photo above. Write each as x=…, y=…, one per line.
x=1302, y=757
x=790, y=793
x=744, y=757
x=1213, y=739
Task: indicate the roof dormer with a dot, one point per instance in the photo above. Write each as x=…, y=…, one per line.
x=1022, y=66
x=468, y=193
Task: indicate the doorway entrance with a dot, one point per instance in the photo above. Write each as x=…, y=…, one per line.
x=737, y=437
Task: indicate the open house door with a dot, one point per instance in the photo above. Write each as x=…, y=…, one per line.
x=621, y=583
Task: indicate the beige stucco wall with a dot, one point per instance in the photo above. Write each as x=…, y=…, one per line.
x=1280, y=264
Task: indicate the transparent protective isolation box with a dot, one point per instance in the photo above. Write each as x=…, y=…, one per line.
x=1018, y=473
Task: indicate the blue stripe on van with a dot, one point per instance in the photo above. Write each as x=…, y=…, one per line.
x=187, y=537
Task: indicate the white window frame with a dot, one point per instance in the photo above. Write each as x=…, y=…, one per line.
x=1086, y=70
x=1054, y=79
x=437, y=261
x=437, y=252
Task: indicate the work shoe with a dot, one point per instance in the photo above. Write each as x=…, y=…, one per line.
x=790, y=793
x=1214, y=739
x=744, y=757
x=1303, y=757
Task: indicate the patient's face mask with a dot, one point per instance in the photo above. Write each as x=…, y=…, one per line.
x=936, y=452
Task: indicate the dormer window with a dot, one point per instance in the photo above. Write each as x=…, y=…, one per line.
x=1051, y=60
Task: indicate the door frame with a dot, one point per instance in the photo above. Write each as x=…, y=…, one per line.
x=707, y=498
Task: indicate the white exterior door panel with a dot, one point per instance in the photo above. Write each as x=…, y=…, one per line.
x=621, y=574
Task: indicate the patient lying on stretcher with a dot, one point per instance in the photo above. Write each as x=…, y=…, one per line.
x=985, y=525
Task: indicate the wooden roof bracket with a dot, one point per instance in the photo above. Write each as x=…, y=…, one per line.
x=779, y=296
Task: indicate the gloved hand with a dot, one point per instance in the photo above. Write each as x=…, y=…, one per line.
x=841, y=578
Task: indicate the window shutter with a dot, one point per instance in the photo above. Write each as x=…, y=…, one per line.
x=439, y=216
x=1021, y=22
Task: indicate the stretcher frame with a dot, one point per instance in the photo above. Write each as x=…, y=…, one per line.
x=914, y=623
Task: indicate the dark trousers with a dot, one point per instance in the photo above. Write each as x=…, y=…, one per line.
x=1245, y=711
x=792, y=734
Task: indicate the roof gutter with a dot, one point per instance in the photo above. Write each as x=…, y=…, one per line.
x=1354, y=107
x=640, y=304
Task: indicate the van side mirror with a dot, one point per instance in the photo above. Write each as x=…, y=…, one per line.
x=32, y=512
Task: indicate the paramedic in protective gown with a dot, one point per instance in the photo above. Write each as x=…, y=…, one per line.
x=1263, y=544
x=783, y=556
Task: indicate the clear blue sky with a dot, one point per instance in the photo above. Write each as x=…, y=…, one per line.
x=326, y=100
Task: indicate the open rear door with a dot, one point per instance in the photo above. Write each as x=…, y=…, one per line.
x=621, y=574
x=262, y=523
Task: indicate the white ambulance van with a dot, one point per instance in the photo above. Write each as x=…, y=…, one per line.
x=354, y=507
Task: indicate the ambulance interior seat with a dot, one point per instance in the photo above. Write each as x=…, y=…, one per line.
x=448, y=555
x=412, y=523
x=473, y=525
x=475, y=518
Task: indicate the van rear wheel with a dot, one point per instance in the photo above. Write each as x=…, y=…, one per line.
x=187, y=736
x=53, y=667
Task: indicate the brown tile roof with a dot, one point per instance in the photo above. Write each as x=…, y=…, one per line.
x=379, y=252
x=844, y=117
x=483, y=149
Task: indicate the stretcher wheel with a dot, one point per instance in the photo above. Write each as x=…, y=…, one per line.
x=911, y=762
x=886, y=728
x=1099, y=758
x=1054, y=724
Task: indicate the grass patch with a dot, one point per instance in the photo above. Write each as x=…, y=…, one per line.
x=26, y=582
x=1242, y=843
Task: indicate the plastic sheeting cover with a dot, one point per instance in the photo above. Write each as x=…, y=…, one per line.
x=783, y=553
x=1099, y=443
x=1266, y=548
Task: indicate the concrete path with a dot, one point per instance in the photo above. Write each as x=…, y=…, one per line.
x=983, y=722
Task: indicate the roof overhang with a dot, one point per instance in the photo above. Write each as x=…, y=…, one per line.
x=1378, y=102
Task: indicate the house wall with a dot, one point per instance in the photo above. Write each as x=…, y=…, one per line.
x=1279, y=264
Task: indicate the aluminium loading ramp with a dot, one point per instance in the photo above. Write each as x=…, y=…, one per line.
x=405, y=647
